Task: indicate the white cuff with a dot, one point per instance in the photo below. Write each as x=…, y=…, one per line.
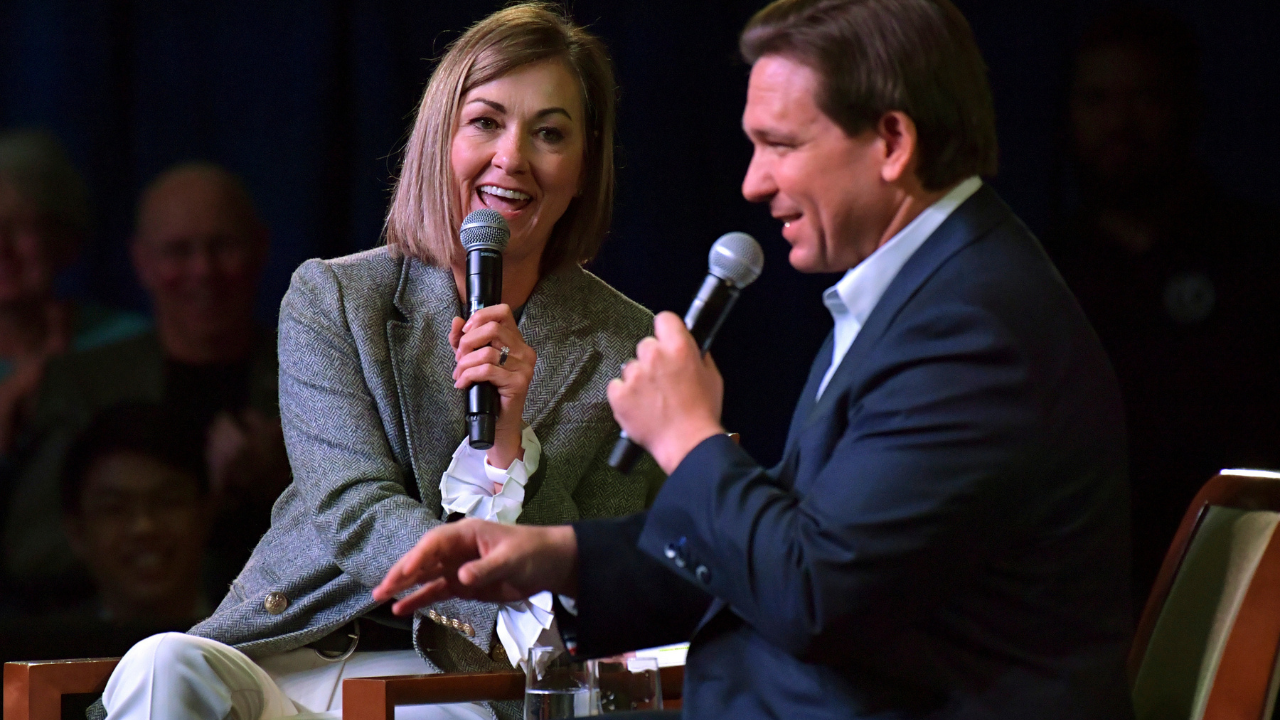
x=467, y=484
x=467, y=487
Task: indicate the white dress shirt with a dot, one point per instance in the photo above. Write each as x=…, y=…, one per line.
x=852, y=299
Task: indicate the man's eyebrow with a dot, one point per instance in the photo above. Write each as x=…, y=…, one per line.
x=766, y=135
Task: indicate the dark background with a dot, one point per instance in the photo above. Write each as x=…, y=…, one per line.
x=310, y=100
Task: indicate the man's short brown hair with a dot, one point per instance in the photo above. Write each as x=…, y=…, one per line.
x=876, y=56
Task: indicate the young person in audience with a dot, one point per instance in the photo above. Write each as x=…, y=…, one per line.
x=135, y=506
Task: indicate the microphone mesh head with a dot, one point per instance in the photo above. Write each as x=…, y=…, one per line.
x=485, y=228
x=736, y=258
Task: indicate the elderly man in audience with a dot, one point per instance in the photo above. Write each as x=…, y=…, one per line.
x=199, y=250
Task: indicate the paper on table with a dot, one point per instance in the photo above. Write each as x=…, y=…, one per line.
x=667, y=655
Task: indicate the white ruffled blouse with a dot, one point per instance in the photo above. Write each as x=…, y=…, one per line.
x=467, y=487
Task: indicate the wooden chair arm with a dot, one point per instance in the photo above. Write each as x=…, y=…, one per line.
x=34, y=690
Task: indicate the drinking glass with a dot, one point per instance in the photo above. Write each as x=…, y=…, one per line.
x=626, y=683
x=555, y=688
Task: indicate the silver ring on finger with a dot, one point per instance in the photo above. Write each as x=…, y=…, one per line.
x=503, y=353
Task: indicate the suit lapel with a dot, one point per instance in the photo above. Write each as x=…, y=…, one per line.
x=982, y=211
x=433, y=411
x=553, y=328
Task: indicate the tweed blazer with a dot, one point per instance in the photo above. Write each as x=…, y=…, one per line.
x=371, y=420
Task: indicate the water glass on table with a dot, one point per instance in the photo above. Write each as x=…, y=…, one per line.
x=556, y=688
x=625, y=684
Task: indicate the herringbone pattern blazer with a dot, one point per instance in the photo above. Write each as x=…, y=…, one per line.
x=370, y=411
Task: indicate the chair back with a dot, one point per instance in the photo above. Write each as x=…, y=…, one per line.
x=1207, y=641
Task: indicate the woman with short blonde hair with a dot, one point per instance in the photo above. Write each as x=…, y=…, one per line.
x=423, y=220
x=375, y=358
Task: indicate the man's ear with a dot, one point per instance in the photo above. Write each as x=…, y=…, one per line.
x=898, y=133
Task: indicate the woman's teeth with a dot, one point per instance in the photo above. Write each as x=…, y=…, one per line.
x=504, y=193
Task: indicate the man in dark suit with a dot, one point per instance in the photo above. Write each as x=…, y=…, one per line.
x=946, y=535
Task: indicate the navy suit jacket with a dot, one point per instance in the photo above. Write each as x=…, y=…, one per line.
x=945, y=537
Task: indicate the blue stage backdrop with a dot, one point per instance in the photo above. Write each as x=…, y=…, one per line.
x=309, y=100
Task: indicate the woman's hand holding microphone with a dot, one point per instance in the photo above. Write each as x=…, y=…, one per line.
x=489, y=348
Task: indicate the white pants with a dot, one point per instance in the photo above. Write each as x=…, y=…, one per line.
x=175, y=675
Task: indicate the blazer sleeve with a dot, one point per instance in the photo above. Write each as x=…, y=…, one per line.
x=605, y=492
x=909, y=497
x=342, y=463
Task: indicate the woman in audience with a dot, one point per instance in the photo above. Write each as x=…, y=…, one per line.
x=44, y=218
x=374, y=359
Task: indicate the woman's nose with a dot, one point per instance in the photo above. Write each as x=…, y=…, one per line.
x=512, y=154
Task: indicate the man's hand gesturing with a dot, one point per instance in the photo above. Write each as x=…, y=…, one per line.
x=480, y=560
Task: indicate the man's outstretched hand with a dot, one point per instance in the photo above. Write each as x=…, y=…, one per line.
x=480, y=560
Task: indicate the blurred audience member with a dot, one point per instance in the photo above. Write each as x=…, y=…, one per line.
x=134, y=505
x=199, y=250
x=1176, y=275
x=44, y=219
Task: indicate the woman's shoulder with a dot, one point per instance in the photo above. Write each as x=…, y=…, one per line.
x=370, y=279
x=603, y=307
x=376, y=267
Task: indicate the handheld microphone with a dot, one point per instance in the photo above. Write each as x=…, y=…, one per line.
x=735, y=262
x=484, y=234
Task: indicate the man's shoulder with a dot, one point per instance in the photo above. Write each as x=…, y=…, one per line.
x=994, y=283
x=106, y=363
x=995, y=256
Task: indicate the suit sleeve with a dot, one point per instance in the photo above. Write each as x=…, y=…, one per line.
x=915, y=476
x=342, y=462
x=626, y=600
